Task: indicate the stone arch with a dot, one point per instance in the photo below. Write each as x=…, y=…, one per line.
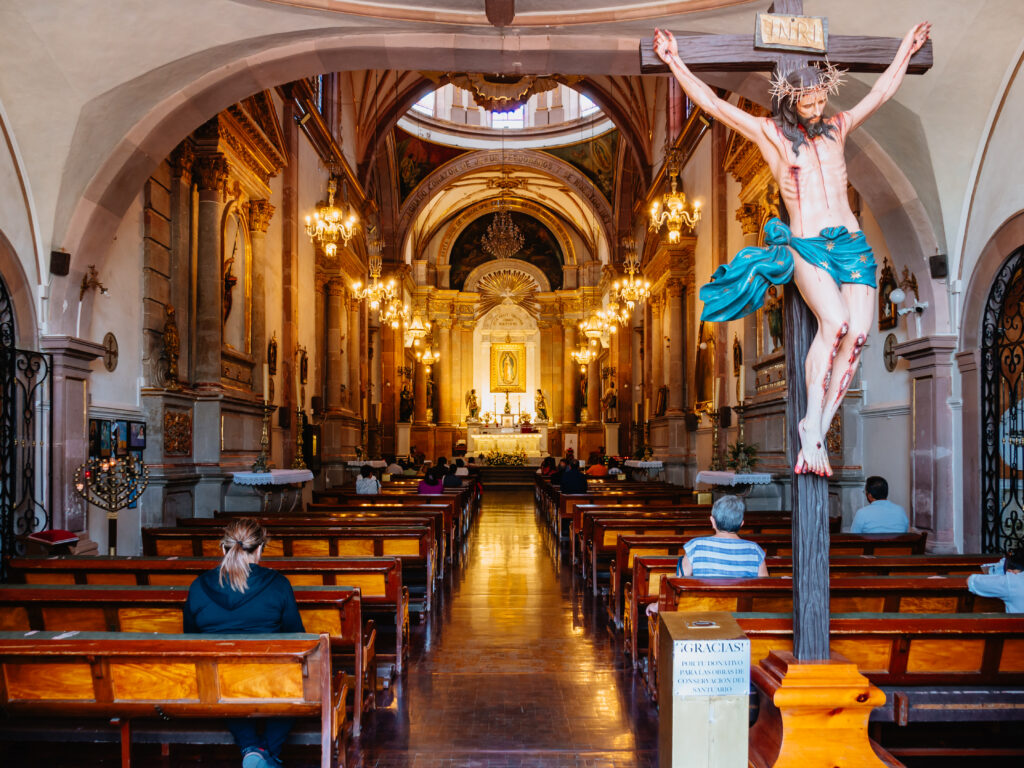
x=538, y=276
x=488, y=159
x=20, y=292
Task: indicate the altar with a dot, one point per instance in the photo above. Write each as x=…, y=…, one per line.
x=483, y=439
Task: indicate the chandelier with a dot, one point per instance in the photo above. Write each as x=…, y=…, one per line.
x=503, y=240
x=672, y=209
x=415, y=331
x=329, y=224
x=428, y=357
x=583, y=357
x=377, y=293
x=632, y=289
x=394, y=313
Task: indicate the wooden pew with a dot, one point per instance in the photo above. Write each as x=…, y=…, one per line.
x=647, y=572
x=881, y=594
x=413, y=545
x=463, y=501
x=379, y=579
x=131, y=676
x=334, y=611
x=455, y=518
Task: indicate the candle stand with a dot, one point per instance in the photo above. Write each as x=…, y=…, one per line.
x=298, y=462
x=262, y=463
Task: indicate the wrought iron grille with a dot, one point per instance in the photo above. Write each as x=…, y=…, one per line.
x=1002, y=410
x=26, y=426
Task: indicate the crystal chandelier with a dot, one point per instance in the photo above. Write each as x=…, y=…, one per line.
x=395, y=313
x=503, y=240
x=632, y=289
x=415, y=331
x=378, y=293
x=428, y=357
x=583, y=357
x=671, y=210
x=329, y=224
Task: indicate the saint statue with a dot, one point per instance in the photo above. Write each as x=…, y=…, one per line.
x=405, y=404
x=172, y=347
x=540, y=405
x=610, y=403
x=834, y=267
x=773, y=311
x=472, y=406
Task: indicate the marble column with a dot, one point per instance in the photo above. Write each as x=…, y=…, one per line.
x=555, y=404
x=931, y=450
x=969, y=362
x=260, y=214
x=444, y=370
x=181, y=253
x=336, y=317
x=547, y=365
x=657, y=349
x=457, y=360
x=354, y=354
x=569, y=372
x=419, y=395
x=676, y=348
x=594, y=393
x=210, y=172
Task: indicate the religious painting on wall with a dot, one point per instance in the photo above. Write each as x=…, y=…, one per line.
x=594, y=158
x=418, y=158
x=540, y=248
x=508, y=367
x=886, y=309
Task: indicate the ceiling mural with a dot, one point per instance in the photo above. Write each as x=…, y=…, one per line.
x=540, y=248
x=417, y=158
x=594, y=158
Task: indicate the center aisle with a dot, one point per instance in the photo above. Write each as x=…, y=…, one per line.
x=513, y=670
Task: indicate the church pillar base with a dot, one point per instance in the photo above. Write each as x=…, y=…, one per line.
x=340, y=434
x=591, y=437
x=423, y=439
x=814, y=713
x=444, y=441
x=403, y=439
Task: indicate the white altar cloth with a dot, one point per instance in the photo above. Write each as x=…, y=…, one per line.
x=636, y=464
x=733, y=478
x=273, y=477
x=376, y=463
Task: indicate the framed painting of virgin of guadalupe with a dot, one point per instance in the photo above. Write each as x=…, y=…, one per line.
x=508, y=367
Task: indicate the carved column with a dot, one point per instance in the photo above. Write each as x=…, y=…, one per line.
x=554, y=398
x=354, y=353
x=657, y=348
x=594, y=392
x=676, y=348
x=419, y=395
x=336, y=317
x=548, y=362
x=569, y=372
x=465, y=332
x=260, y=213
x=444, y=371
x=181, y=253
x=457, y=360
x=210, y=172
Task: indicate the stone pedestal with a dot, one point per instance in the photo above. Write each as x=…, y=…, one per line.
x=611, y=438
x=814, y=714
x=403, y=442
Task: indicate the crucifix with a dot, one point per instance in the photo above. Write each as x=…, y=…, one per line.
x=816, y=249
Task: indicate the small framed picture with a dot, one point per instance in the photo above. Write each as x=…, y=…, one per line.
x=94, y=437
x=137, y=435
x=104, y=451
x=120, y=438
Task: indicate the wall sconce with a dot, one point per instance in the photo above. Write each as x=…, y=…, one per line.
x=91, y=281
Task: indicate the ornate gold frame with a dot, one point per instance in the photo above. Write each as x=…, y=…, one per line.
x=498, y=380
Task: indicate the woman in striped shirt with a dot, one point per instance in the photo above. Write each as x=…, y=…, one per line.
x=725, y=554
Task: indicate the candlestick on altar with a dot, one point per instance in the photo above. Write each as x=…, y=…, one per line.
x=266, y=383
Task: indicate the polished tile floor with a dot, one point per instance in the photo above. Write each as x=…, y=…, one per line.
x=514, y=668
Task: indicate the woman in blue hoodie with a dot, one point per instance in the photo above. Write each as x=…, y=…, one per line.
x=241, y=597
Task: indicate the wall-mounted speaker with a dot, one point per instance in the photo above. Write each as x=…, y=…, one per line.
x=937, y=264
x=692, y=421
x=725, y=417
x=284, y=418
x=60, y=263
x=316, y=402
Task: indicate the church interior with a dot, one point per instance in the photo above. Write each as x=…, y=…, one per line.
x=309, y=235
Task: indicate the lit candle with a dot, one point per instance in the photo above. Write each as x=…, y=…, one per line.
x=743, y=383
x=714, y=398
x=266, y=383
x=298, y=380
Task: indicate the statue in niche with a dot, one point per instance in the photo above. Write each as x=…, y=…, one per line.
x=610, y=403
x=229, y=286
x=472, y=406
x=773, y=313
x=172, y=347
x=405, y=403
x=540, y=405
x=583, y=395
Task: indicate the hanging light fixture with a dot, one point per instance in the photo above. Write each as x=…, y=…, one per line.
x=428, y=357
x=503, y=239
x=416, y=330
x=377, y=293
x=632, y=289
x=329, y=224
x=583, y=356
x=672, y=210
x=395, y=313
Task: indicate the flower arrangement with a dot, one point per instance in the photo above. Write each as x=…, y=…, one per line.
x=516, y=458
x=741, y=457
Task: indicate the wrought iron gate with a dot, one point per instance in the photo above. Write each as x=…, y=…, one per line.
x=1002, y=410
x=26, y=426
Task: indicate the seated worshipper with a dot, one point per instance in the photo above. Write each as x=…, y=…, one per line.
x=394, y=468
x=597, y=470
x=460, y=468
x=367, y=483
x=451, y=480
x=1004, y=580
x=472, y=467
x=880, y=515
x=573, y=481
x=431, y=482
x=410, y=469
x=723, y=555
x=556, y=477
x=547, y=467
x=613, y=467
x=442, y=461
x=241, y=597
x=424, y=468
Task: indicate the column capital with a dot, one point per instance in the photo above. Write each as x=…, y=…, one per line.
x=181, y=160
x=211, y=171
x=749, y=216
x=444, y=323
x=353, y=303
x=260, y=214
x=335, y=286
x=675, y=287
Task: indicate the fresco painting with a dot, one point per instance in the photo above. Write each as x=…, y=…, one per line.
x=540, y=248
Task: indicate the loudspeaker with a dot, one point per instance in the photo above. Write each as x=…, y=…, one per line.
x=692, y=421
x=938, y=266
x=60, y=263
x=317, y=404
x=284, y=418
x=725, y=417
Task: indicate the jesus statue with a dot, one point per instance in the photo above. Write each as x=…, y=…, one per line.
x=835, y=271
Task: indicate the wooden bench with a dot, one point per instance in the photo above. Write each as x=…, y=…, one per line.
x=945, y=669
x=131, y=676
x=379, y=579
x=463, y=501
x=648, y=570
x=413, y=545
x=334, y=611
x=881, y=594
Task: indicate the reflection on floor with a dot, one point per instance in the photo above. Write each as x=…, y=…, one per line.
x=515, y=667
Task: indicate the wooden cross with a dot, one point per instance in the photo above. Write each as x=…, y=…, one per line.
x=737, y=53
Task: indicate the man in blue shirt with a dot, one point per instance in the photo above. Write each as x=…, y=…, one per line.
x=1004, y=580
x=880, y=515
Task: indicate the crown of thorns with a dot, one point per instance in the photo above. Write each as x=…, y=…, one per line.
x=830, y=77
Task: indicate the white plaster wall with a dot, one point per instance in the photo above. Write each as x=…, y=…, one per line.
x=312, y=187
